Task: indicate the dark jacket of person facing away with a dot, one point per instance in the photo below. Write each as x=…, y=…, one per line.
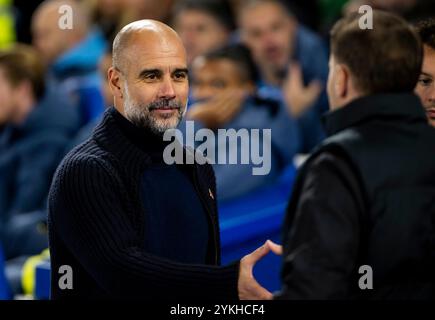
x=99, y=224
x=365, y=197
x=29, y=155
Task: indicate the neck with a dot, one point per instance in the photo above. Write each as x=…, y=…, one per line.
x=143, y=138
x=347, y=100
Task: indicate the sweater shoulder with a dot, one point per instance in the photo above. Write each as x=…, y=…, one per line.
x=83, y=174
x=86, y=158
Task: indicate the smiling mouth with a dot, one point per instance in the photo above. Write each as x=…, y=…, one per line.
x=165, y=111
x=431, y=113
x=166, y=108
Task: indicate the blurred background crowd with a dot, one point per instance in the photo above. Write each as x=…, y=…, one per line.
x=253, y=64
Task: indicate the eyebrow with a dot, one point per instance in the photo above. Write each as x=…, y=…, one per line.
x=146, y=72
x=426, y=74
x=185, y=70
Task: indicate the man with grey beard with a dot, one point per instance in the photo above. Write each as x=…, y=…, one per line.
x=124, y=223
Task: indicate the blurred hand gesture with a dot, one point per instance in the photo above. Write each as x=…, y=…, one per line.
x=297, y=96
x=219, y=110
x=248, y=287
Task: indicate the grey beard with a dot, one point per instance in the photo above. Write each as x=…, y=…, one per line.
x=140, y=115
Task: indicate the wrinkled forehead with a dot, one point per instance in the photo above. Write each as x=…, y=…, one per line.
x=262, y=15
x=45, y=18
x=429, y=61
x=146, y=49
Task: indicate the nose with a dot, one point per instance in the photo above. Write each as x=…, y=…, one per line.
x=167, y=89
x=267, y=37
x=431, y=94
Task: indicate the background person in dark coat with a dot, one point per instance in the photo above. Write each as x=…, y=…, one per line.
x=71, y=55
x=38, y=124
x=366, y=196
x=425, y=88
x=129, y=225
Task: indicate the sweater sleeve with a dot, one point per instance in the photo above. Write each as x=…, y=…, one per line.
x=86, y=209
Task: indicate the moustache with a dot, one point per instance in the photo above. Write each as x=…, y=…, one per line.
x=164, y=104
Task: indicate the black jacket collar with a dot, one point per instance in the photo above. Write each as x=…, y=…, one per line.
x=406, y=107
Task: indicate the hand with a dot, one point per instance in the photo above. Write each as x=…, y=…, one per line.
x=219, y=110
x=297, y=96
x=248, y=287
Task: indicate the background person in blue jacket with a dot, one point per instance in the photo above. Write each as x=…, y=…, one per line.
x=37, y=125
x=203, y=25
x=292, y=61
x=72, y=55
x=224, y=86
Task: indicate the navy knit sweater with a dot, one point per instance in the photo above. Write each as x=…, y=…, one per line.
x=97, y=217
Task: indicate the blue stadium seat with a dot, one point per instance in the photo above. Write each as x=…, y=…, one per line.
x=42, y=282
x=247, y=222
x=4, y=286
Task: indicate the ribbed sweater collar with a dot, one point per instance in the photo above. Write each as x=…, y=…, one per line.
x=129, y=143
x=143, y=138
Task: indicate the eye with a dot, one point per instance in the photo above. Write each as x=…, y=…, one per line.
x=151, y=76
x=201, y=28
x=255, y=34
x=219, y=84
x=276, y=27
x=180, y=75
x=425, y=82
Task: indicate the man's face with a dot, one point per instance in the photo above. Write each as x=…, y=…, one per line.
x=48, y=38
x=425, y=88
x=155, y=82
x=7, y=99
x=200, y=32
x=269, y=33
x=212, y=78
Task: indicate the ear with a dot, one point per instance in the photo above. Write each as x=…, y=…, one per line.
x=341, y=85
x=114, y=79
